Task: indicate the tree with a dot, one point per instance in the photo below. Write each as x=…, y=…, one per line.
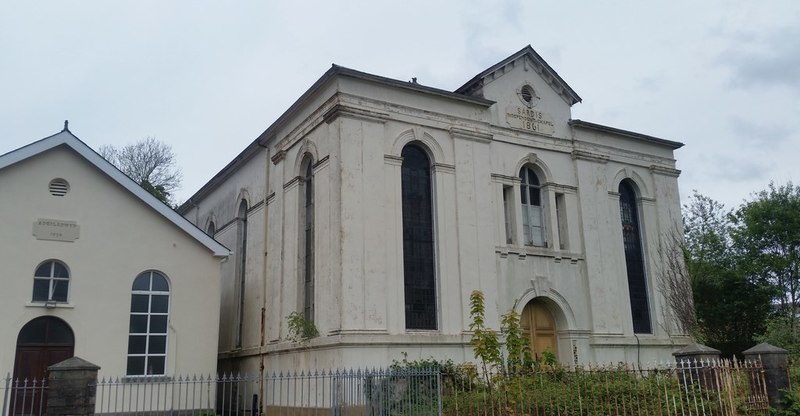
x=675, y=283
x=149, y=162
x=767, y=232
x=731, y=306
x=767, y=229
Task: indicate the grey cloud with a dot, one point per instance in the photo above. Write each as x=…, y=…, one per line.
x=758, y=134
x=734, y=169
x=768, y=60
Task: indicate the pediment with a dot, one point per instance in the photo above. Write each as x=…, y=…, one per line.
x=528, y=59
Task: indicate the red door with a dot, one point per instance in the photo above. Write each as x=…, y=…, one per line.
x=42, y=342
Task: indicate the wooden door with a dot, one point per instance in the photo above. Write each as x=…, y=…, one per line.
x=538, y=324
x=42, y=342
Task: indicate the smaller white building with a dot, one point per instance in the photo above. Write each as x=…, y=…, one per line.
x=96, y=267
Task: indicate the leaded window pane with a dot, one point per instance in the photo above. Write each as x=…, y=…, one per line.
x=532, y=212
x=160, y=283
x=308, y=242
x=157, y=344
x=158, y=324
x=155, y=365
x=160, y=303
x=41, y=290
x=44, y=270
x=137, y=344
x=634, y=259
x=142, y=282
x=60, y=290
x=59, y=333
x=418, y=242
x=140, y=303
x=34, y=332
x=138, y=324
x=136, y=365
x=59, y=270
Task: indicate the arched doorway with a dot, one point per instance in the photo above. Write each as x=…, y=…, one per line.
x=42, y=342
x=539, y=326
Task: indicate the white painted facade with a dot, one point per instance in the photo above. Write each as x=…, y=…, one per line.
x=116, y=231
x=354, y=126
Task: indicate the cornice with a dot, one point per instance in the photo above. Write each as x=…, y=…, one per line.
x=292, y=183
x=561, y=187
x=444, y=168
x=624, y=133
x=505, y=179
x=278, y=156
x=664, y=170
x=477, y=136
x=393, y=160
x=592, y=157
x=344, y=110
x=321, y=164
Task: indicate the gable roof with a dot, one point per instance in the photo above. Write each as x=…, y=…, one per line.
x=549, y=74
x=328, y=76
x=625, y=133
x=66, y=138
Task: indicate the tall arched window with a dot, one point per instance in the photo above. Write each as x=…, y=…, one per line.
x=418, y=241
x=532, y=212
x=307, y=237
x=634, y=258
x=51, y=282
x=147, y=342
x=241, y=248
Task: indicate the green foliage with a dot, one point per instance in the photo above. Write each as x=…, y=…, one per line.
x=731, y=307
x=767, y=233
x=555, y=390
x=791, y=396
x=783, y=332
x=484, y=341
x=157, y=191
x=519, y=352
x=408, y=388
x=300, y=330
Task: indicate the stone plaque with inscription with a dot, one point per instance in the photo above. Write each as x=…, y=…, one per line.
x=56, y=230
x=529, y=119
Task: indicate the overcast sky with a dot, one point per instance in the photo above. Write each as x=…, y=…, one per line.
x=723, y=77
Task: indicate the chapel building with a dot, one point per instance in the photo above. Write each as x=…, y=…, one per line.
x=373, y=207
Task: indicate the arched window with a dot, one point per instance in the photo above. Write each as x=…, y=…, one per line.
x=532, y=211
x=634, y=258
x=307, y=238
x=147, y=339
x=51, y=282
x=418, y=240
x=241, y=248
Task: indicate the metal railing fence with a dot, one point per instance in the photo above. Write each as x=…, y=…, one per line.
x=24, y=397
x=685, y=388
x=337, y=393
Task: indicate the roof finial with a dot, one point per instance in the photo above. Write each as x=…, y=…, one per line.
x=66, y=125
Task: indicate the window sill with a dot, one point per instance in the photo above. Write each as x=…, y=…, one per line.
x=537, y=251
x=49, y=306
